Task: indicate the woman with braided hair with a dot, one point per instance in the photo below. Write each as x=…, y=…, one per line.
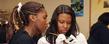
x=31, y=21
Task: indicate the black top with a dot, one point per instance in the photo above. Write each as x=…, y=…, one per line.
x=99, y=34
x=21, y=37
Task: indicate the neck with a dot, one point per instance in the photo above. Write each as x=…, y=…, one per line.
x=29, y=30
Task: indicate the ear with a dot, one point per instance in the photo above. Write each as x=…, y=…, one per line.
x=33, y=18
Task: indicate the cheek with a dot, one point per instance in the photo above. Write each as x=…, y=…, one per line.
x=42, y=24
x=38, y=23
x=60, y=26
x=68, y=27
x=42, y=21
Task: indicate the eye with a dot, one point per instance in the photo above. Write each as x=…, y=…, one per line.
x=45, y=17
x=60, y=21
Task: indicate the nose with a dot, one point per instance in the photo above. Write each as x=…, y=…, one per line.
x=46, y=25
x=65, y=25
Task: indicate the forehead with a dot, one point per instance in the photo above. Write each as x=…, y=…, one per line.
x=64, y=16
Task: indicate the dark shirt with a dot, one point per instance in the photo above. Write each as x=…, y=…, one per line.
x=21, y=37
x=99, y=34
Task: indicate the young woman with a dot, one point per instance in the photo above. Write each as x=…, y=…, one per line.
x=32, y=16
x=63, y=28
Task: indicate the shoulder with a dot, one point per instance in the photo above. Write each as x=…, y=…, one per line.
x=22, y=35
x=98, y=26
x=80, y=35
x=21, y=38
x=42, y=40
x=81, y=38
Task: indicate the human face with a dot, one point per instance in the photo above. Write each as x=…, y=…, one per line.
x=64, y=22
x=41, y=22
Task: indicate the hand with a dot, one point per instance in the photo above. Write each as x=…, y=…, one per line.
x=72, y=40
x=60, y=39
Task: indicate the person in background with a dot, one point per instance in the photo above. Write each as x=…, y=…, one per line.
x=99, y=32
x=33, y=18
x=3, y=28
x=63, y=28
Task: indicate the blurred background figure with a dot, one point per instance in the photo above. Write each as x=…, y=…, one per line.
x=99, y=33
x=3, y=27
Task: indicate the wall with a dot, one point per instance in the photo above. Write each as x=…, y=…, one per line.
x=97, y=9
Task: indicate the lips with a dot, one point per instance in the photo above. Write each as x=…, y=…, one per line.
x=64, y=31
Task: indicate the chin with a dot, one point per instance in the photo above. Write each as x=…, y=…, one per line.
x=63, y=32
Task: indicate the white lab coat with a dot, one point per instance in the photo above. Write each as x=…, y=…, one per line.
x=80, y=39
